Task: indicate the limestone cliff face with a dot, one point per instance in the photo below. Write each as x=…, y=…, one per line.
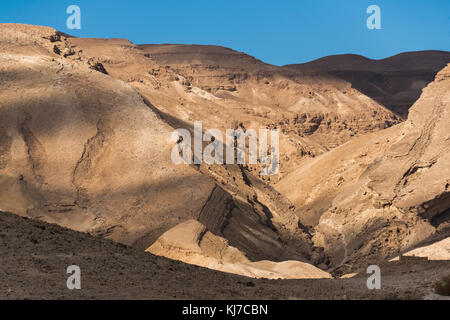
x=383, y=193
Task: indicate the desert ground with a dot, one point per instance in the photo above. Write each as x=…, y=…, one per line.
x=35, y=256
x=86, y=175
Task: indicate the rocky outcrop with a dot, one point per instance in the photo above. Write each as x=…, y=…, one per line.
x=314, y=112
x=191, y=242
x=85, y=150
x=383, y=193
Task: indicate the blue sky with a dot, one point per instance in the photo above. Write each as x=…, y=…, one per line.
x=278, y=32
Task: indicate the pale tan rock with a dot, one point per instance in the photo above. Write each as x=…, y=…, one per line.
x=190, y=242
x=384, y=192
x=439, y=250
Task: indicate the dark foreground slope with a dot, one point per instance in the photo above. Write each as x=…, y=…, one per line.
x=35, y=256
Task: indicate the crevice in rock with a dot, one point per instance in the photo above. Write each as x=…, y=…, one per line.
x=35, y=150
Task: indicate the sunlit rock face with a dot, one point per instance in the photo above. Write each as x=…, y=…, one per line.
x=85, y=142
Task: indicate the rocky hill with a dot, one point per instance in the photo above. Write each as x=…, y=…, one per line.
x=395, y=82
x=85, y=142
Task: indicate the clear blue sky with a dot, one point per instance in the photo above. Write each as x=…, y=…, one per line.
x=277, y=31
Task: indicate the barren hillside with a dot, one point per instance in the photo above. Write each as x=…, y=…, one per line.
x=85, y=142
x=395, y=82
x=35, y=257
x=87, y=151
x=381, y=193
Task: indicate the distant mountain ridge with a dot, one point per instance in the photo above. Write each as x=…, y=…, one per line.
x=395, y=82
